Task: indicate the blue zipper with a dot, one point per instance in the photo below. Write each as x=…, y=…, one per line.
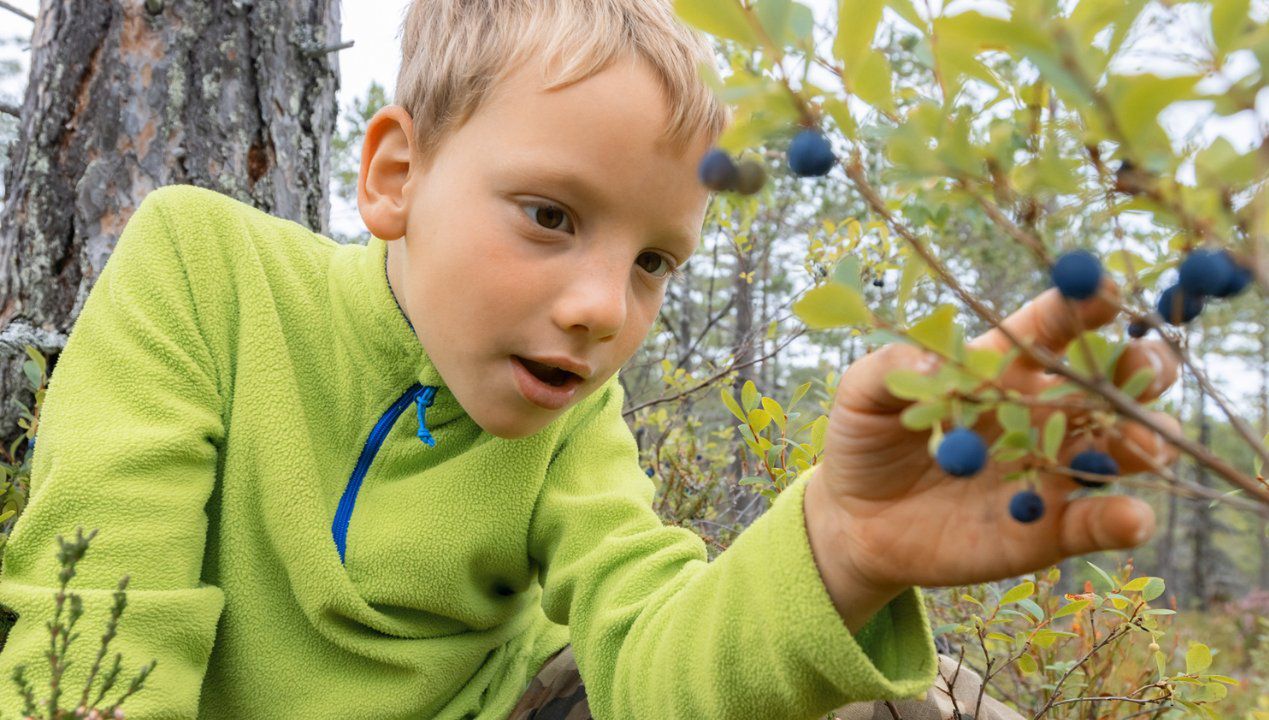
x=419, y=394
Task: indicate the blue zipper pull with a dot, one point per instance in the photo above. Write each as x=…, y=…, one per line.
x=424, y=401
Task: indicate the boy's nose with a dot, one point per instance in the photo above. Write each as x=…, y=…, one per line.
x=595, y=301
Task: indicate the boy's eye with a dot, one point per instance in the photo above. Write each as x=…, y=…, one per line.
x=548, y=216
x=659, y=265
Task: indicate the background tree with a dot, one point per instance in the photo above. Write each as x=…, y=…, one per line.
x=127, y=96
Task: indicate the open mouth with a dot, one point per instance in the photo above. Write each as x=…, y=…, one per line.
x=548, y=374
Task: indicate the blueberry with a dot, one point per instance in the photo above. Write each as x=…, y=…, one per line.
x=879, y=282
x=1205, y=272
x=1077, y=274
x=751, y=177
x=1138, y=329
x=1177, y=306
x=1096, y=463
x=651, y=472
x=810, y=154
x=1239, y=278
x=1027, y=506
x=962, y=452
x=717, y=171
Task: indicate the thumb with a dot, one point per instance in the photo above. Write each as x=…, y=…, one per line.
x=1115, y=522
x=863, y=387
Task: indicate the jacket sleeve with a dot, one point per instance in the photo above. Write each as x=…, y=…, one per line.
x=658, y=631
x=127, y=443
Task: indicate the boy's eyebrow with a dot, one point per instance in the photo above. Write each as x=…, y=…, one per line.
x=592, y=194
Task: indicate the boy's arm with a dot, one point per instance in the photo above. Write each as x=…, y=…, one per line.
x=658, y=631
x=127, y=443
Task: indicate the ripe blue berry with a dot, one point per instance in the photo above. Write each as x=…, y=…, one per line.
x=1239, y=278
x=1138, y=329
x=810, y=154
x=1096, y=463
x=717, y=171
x=1205, y=272
x=650, y=472
x=1027, y=506
x=1177, y=306
x=962, y=452
x=1077, y=274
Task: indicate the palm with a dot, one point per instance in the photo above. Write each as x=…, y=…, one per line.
x=910, y=523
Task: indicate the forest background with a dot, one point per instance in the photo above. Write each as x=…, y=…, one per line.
x=730, y=323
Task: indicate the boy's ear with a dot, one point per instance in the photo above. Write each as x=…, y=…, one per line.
x=385, y=168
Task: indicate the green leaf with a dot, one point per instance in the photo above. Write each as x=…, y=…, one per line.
x=1018, y=592
x=840, y=112
x=1198, y=658
x=1071, y=608
x=1110, y=584
x=923, y=415
x=818, y=430
x=775, y=411
x=914, y=268
x=1137, y=584
x=1013, y=417
x=749, y=396
x=912, y=385
x=724, y=18
x=872, y=83
x=1057, y=391
x=938, y=331
x=856, y=26
x=759, y=419
x=832, y=305
x=906, y=10
x=785, y=21
x=799, y=393
x=730, y=402
x=846, y=273
x=985, y=362
x=1137, y=100
x=1229, y=17
x=1031, y=607
x=1153, y=589
x=1054, y=434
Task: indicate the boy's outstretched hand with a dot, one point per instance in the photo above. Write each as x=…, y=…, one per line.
x=882, y=515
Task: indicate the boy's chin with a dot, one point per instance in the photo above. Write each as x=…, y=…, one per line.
x=517, y=425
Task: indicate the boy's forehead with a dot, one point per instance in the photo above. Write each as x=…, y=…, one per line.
x=602, y=141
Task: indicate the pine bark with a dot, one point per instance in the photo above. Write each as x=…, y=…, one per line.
x=129, y=95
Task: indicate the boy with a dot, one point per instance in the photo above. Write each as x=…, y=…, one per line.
x=390, y=481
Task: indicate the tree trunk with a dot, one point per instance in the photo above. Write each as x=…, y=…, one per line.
x=129, y=95
x=1200, y=556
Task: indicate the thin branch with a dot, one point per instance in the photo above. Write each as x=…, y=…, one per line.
x=9, y=109
x=1125, y=405
x=16, y=11
x=713, y=378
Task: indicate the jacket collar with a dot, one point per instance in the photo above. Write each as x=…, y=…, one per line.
x=374, y=331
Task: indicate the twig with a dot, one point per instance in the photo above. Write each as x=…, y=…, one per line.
x=1125, y=405
x=713, y=378
x=16, y=11
x=327, y=49
x=9, y=109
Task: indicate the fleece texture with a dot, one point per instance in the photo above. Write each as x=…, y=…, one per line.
x=237, y=410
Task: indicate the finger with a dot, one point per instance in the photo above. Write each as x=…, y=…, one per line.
x=866, y=390
x=1138, y=448
x=1153, y=354
x=1108, y=522
x=1052, y=321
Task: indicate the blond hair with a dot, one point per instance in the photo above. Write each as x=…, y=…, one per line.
x=454, y=52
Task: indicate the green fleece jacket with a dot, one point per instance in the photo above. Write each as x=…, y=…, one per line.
x=314, y=528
